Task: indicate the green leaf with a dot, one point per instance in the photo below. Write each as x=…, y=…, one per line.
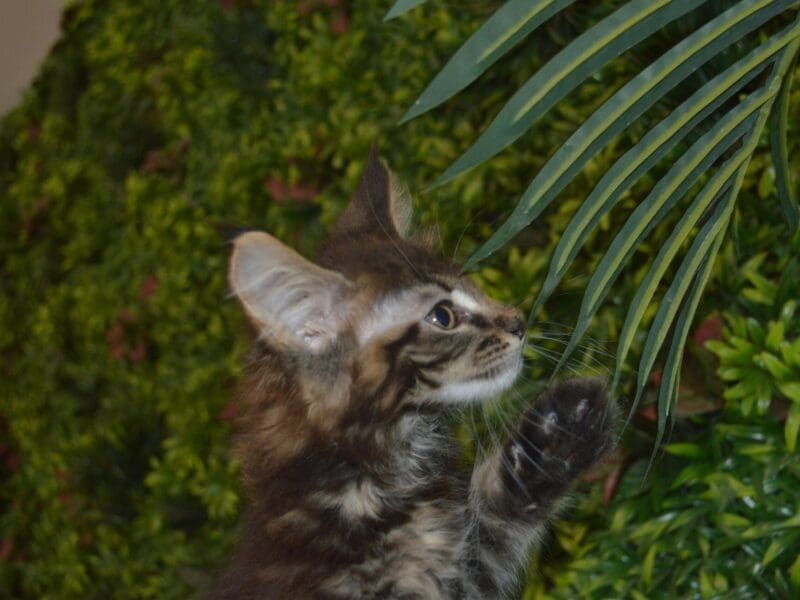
x=773, y=551
x=690, y=475
x=775, y=333
x=773, y=364
x=787, y=312
x=608, y=121
x=672, y=298
x=790, y=389
x=722, y=350
x=753, y=264
x=705, y=547
x=728, y=483
x=742, y=345
x=401, y=7
x=791, y=427
x=670, y=376
x=765, y=288
x=650, y=531
x=622, y=29
x=717, y=185
x=760, y=530
x=730, y=373
x=757, y=296
x=794, y=573
x=648, y=564
x=743, y=389
x=776, y=548
x=706, y=587
x=780, y=155
x=793, y=521
x=756, y=331
x=756, y=450
x=684, y=449
x=733, y=520
x=645, y=154
x=763, y=395
x=501, y=32
x=587, y=140
x=792, y=353
x=662, y=198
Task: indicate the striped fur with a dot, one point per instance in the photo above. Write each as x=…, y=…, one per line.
x=353, y=482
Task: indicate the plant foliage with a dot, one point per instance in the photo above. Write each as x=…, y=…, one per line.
x=759, y=78
x=156, y=130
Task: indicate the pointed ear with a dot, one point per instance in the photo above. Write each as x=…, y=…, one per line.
x=379, y=204
x=291, y=300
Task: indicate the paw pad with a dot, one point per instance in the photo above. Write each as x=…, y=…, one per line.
x=569, y=428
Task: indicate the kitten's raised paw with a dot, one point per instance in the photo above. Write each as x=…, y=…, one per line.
x=568, y=429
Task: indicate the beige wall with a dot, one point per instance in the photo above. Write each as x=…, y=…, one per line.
x=28, y=29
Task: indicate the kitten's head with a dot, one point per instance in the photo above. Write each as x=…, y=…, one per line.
x=378, y=316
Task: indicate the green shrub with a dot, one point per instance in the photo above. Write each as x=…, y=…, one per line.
x=761, y=360
x=155, y=131
x=719, y=520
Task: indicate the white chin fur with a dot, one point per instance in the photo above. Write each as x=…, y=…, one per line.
x=479, y=389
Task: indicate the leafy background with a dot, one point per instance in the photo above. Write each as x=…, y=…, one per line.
x=156, y=130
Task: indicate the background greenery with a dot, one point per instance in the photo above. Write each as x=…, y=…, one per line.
x=156, y=130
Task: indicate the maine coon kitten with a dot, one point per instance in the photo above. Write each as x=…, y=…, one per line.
x=351, y=477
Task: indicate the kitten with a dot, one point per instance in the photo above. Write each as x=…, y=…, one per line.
x=351, y=477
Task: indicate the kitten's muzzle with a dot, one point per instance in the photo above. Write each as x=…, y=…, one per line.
x=513, y=324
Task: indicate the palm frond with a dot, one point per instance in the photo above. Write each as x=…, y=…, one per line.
x=733, y=108
x=401, y=7
x=501, y=32
x=600, y=44
x=780, y=155
x=628, y=103
x=651, y=149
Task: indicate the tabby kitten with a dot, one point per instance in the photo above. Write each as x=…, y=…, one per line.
x=351, y=477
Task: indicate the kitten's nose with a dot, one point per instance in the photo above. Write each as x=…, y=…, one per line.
x=513, y=324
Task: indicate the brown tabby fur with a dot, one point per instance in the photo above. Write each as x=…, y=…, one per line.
x=352, y=485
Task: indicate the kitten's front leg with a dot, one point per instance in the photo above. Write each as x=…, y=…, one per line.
x=569, y=428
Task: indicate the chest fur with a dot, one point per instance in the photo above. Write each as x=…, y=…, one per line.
x=417, y=559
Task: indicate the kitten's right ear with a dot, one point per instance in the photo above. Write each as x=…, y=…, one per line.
x=291, y=300
x=379, y=205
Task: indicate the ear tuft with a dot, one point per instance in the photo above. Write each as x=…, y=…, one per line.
x=401, y=207
x=291, y=300
x=379, y=205
x=430, y=238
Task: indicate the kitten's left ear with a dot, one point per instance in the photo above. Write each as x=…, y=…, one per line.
x=379, y=205
x=293, y=302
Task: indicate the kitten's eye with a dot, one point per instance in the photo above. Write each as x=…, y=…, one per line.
x=442, y=316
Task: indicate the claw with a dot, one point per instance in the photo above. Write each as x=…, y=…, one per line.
x=581, y=409
x=550, y=423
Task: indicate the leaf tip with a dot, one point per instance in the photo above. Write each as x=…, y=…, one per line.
x=392, y=13
x=413, y=112
x=441, y=180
